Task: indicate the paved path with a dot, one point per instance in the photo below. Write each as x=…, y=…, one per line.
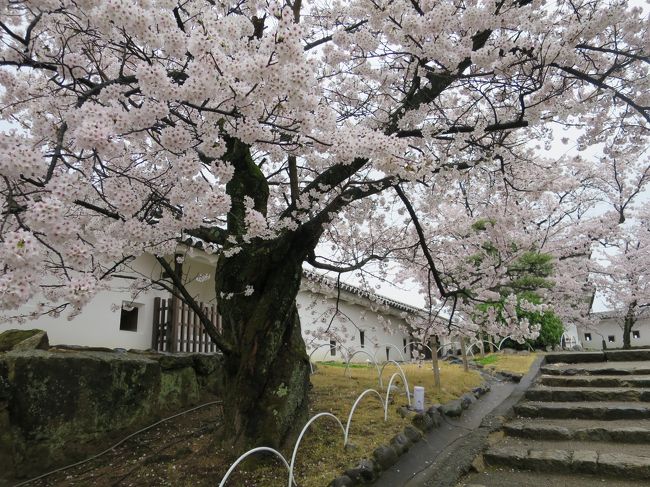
x=436, y=460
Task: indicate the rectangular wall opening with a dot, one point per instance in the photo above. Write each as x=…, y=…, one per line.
x=129, y=317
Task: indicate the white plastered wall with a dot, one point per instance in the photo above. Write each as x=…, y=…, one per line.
x=351, y=319
x=572, y=335
x=98, y=324
x=609, y=327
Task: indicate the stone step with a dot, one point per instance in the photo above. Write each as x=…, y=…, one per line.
x=579, y=394
x=600, y=368
x=500, y=477
x=627, y=355
x=609, y=410
x=620, y=431
x=574, y=357
x=595, y=380
x=577, y=457
x=601, y=356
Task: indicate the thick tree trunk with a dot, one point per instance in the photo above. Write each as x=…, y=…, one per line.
x=463, y=350
x=256, y=282
x=630, y=319
x=267, y=376
x=436, y=365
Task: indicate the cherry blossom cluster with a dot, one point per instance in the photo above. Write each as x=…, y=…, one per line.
x=121, y=115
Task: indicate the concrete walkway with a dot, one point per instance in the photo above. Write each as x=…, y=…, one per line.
x=447, y=452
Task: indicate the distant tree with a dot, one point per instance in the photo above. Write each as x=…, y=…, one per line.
x=623, y=276
x=521, y=298
x=551, y=329
x=621, y=270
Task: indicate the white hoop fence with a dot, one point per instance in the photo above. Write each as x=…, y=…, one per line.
x=311, y=366
x=252, y=452
x=404, y=381
x=302, y=433
x=372, y=359
x=477, y=342
x=344, y=430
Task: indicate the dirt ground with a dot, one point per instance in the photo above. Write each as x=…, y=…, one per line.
x=179, y=452
x=185, y=452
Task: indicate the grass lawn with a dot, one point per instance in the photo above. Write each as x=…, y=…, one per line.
x=322, y=456
x=519, y=364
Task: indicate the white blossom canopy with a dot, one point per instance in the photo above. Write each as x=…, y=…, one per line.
x=392, y=124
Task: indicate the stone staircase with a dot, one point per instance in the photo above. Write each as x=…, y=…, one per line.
x=585, y=419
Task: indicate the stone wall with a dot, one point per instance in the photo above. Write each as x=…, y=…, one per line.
x=59, y=405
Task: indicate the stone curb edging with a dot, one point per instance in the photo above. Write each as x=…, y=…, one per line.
x=368, y=470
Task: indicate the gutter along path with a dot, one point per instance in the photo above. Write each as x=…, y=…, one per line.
x=447, y=452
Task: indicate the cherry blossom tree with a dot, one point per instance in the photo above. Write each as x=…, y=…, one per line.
x=623, y=279
x=514, y=253
x=274, y=131
x=620, y=271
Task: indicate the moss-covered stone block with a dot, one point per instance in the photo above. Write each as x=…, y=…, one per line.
x=55, y=405
x=62, y=400
x=23, y=340
x=178, y=386
x=5, y=385
x=7, y=443
x=172, y=362
x=206, y=364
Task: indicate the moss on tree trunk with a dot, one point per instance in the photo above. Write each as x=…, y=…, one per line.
x=628, y=323
x=267, y=377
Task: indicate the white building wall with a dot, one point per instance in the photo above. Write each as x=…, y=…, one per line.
x=379, y=333
x=607, y=328
x=98, y=325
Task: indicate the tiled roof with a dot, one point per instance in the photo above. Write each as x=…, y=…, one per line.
x=376, y=298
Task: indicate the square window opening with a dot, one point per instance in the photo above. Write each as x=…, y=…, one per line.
x=587, y=337
x=129, y=317
x=611, y=338
x=636, y=334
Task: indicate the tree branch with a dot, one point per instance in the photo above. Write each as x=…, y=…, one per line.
x=311, y=259
x=323, y=40
x=98, y=209
x=425, y=249
x=209, y=327
x=465, y=129
x=643, y=110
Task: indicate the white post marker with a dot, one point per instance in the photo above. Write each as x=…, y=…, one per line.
x=418, y=396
